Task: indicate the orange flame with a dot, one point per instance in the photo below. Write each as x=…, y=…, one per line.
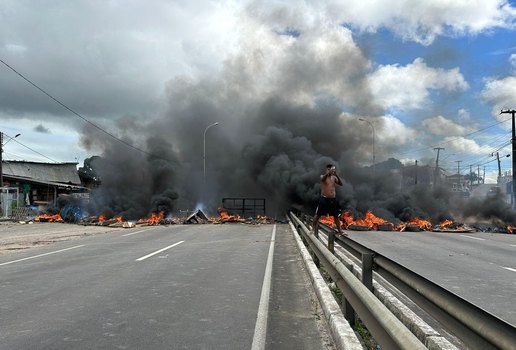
x=370, y=220
x=445, y=223
x=49, y=218
x=328, y=220
x=374, y=220
x=103, y=218
x=347, y=218
x=423, y=224
x=224, y=215
x=511, y=229
x=154, y=219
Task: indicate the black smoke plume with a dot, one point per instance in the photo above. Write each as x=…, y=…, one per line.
x=281, y=120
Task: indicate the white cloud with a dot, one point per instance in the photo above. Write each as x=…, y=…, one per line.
x=467, y=146
x=423, y=21
x=501, y=94
x=408, y=87
x=394, y=132
x=443, y=127
x=464, y=115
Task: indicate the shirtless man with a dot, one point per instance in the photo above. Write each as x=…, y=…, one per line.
x=328, y=204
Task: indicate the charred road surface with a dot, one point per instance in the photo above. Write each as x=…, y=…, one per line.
x=479, y=267
x=163, y=287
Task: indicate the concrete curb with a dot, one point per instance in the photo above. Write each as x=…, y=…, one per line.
x=343, y=335
x=422, y=330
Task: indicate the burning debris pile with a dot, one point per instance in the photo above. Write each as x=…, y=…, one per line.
x=49, y=218
x=197, y=217
x=371, y=222
x=226, y=217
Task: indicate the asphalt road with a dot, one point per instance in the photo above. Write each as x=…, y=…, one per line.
x=175, y=287
x=479, y=267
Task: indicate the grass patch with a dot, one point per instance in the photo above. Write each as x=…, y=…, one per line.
x=366, y=336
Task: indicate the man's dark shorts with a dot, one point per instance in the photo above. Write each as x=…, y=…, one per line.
x=328, y=206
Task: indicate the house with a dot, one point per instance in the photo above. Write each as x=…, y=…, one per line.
x=38, y=184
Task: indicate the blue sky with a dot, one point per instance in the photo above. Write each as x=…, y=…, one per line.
x=434, y=72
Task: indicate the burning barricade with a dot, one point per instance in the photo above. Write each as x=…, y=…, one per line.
x=451, y=226
x=225, y=217
x=371, y=222
x=49, y=218
x=197, y=217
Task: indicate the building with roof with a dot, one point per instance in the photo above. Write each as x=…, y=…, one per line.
x=41, y=183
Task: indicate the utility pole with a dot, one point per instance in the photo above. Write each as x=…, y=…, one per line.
x=478, y=174
x=436, y=173
x=470, y=176
x=513, y=140
x=416, y=174
x=484, y=178
x=499, y=167
x=458, y=169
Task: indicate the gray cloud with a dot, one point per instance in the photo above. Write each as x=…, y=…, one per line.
x=40, y=128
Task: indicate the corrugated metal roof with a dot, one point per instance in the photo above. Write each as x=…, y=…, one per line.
x=49, y=172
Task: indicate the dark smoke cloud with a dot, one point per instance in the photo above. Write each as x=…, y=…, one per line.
x=134, y=184
x=272, y=141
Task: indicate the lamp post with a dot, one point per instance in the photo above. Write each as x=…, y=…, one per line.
x=1, y=168
x=1, y=153
x=204, y=152
x=372, y=127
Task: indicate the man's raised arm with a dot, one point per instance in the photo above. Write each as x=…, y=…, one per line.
x=338, y=181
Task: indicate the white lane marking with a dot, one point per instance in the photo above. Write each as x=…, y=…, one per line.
x=260, y=330
x=512, y=245
x=508, y=268
x=480, y=239
x=133, y=233
x=158, y=251
x=37, y=256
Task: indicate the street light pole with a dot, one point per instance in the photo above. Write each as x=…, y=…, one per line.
x=1, y=155
x=1, y=168
x=372, y=127
x=204, y=152
x=513, y=141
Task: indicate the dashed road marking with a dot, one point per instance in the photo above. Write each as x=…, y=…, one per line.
x=158, y=251
x=133, y=233
x=40, y=255
x=508, y=268
x=480, y=239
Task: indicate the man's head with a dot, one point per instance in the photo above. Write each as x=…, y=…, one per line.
x=330, y=168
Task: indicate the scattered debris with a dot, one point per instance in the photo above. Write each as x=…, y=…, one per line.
x=386, y=226
x=197, y=217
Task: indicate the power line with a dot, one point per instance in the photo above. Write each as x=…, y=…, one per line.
x=33, y=150
x=455, y=139
x=77, y=114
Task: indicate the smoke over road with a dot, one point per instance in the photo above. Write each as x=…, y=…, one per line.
x=287, y=105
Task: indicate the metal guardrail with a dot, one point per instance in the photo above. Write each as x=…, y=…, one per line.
x=477, y=328
x=387, y=330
